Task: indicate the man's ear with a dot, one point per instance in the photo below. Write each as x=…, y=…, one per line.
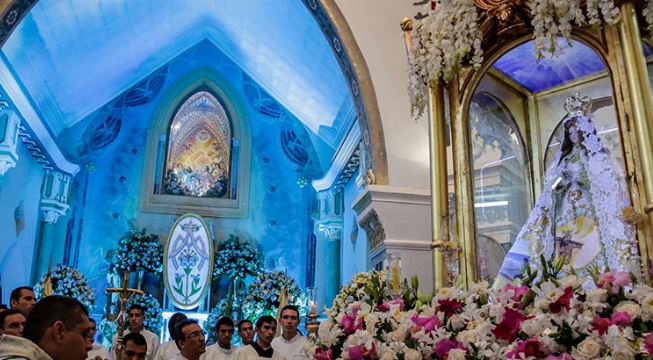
x=12, y=303
x=58, y=328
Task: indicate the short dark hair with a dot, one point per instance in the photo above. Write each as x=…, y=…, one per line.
x=225, y=320
x=179, y=334
x=243, y=322
x=134, y=337
x=137, y=307
x=15, y=293
x=50, y=309
x=174, y=319
x=290, y=307
x=92, y=320
x=265, y=319
x=5, y=314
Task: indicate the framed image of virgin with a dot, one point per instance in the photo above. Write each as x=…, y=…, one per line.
x=188, y=262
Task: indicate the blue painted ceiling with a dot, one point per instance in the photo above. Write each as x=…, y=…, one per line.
x=536, y=75
x=74, y=56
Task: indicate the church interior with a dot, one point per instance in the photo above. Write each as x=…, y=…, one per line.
x=302, y=143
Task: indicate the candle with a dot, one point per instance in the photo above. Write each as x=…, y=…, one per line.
x=312, y=306
x=395, y=276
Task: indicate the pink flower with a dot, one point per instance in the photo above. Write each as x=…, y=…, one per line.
x=564, y=301
x=360, y=352
x=601, y=324
x=648, y=343
x=519, y=291
x=321, y=354
x=449, y=306
x=386, y=305
x=605, y=280
x=529, y=347
x=351, y=323
x=614, y=280
x=509, y=326
x=429, y=323
x=443, y=347
x=621, y=318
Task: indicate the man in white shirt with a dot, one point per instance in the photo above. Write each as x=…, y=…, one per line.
x=135, y=347
x=246, y=331
x=97, y=351
x=169, y=349
x=266, y=328
x=291, y=343
x=136, y=319
x=222, y=350
x=190, y=340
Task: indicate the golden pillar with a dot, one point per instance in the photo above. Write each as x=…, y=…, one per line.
x=439, y=191
x=642, y=111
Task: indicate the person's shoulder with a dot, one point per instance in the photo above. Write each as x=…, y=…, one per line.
x=277, y=356
x=148, y=333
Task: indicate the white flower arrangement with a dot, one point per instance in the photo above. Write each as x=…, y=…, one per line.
x=263, y=295
x=138, y=250
x=237, y=259
x=553, y=19
x=546, y=316
x=68, y=281
x=443, y=42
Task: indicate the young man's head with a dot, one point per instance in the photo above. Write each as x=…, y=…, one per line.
x=174, y=320
x=224, y=329
x=22, y=299
x=246, y=331
x=59, y=325
x=134, y=347
x=289, y=321
x=91, y=334
x=12, y=322
x=190, y=339
x=136, y=318
x=266, y=328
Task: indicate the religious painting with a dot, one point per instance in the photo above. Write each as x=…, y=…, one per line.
x=199, y=149
x=188, y=262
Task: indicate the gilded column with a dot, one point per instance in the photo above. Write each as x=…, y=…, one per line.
x=439, y=179
x=642, y=109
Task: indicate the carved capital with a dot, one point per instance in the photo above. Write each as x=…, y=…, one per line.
x=373, y=229
x=54, y=196
x=9, y=124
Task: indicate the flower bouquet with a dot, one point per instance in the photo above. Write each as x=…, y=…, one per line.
x=138, y=250
x=264, y=295
x=549, y=315
x=68, y=281
x=237, y=259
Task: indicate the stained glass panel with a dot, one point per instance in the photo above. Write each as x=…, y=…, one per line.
x=199, y=149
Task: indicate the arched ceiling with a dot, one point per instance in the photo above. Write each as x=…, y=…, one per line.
x=73, y=56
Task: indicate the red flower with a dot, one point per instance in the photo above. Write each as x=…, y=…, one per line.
x=564, y=301
x=443, y=347
x=509, y=326
x=449, y=307
x=601, y=324
x=323, y=354
x=529, y=347
x=385, y=306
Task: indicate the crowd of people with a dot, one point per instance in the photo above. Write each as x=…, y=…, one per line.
x=59, y=328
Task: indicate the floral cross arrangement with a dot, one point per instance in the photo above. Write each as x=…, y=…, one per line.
x=550, y=315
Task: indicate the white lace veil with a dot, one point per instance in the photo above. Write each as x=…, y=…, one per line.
x=608, y=198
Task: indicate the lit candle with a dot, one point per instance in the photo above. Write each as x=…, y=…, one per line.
x=395, y=276
x=312, y=306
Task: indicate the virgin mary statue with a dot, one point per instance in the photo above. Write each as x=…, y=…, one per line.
x=579, y=213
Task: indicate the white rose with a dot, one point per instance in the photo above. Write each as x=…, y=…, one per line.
x=456, y=354
x=588, y=349
x=597, y=295
x=570, y=281
x=411, y=354
x=531, y=327
x=630, y=308
x=467, y=337
x=623, y=355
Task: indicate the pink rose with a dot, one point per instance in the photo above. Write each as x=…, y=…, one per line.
x=621, y=279
x=387, y=304
x=359, y=352
x=429, y=323
x=621, y=318
x=648, y=343
x=520, y=291
x=443, y=347
x=350, y=323
x=321, y=354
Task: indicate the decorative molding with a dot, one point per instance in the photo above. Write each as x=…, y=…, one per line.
x=392, y=194
x=373, y=229
x=346, y=158
x=332, y=230
x=35, y=131
x=9, y=124
x=54, y=196
x=14, y=11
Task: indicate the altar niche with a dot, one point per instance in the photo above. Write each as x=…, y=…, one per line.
x=505, y=130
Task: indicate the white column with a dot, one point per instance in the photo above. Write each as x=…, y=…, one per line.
x=9, y=124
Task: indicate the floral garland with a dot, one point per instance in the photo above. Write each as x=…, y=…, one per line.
x=68, y=281
x=139, y=251
x=153, y=311
x=237, y=259
x=442, y=43
x=263, y=295
x=553, y=318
